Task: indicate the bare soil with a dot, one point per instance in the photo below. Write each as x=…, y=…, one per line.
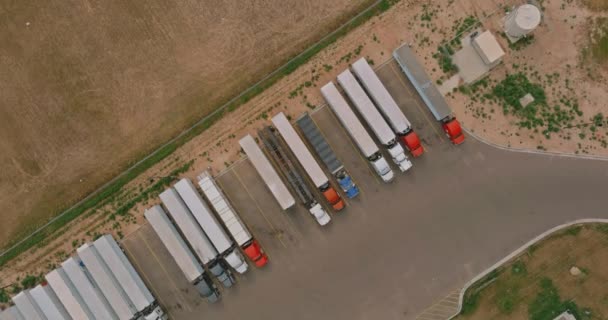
x=88, y=87
x=518, y=283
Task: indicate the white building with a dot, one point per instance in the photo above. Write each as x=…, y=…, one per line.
x=488, y=48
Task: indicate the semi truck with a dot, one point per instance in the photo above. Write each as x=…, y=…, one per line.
x=130, y=281
x=180, y=252
x=12, y=313
x=27, y=307
x=388, y=107
x=106, y=282
x=429, y=93
x=195, y=236
x=212, y=228
x=308, y=162
x=278, y=153
x=267, y=172
x=324, y=151
x=68, y=295
x=49, y=303
x=373, y=118
x=357, y=132
x=90, y=293
x=220, y=202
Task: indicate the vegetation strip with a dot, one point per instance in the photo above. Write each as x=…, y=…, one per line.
x=112, y=188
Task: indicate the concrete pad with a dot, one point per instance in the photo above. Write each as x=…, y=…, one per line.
x=470, y=65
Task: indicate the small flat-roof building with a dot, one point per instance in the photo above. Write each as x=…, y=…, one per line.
x=488, y=48
x=565, y=316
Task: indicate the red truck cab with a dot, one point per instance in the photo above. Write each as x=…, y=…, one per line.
x=256, y=254
x=412, y=142
x=333, y=198
x=453, y=131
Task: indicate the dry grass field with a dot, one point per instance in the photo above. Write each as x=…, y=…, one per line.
x=88, y=87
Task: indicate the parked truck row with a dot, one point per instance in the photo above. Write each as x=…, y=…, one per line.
x=98, y=282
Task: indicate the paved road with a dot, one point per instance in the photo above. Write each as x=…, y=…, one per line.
x=400, y=246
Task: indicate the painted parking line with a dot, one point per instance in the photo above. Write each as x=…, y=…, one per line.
x=275, y=231
x=183, y=299
x=423, y=111
x=442, y=309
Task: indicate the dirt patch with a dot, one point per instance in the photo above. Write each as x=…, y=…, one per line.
x=600, y=5
x=540, y=283
x=88, y=88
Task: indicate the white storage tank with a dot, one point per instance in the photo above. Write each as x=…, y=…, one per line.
x=521, y=21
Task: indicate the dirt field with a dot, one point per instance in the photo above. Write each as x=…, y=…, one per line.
x=88, y=87
x=522, y=290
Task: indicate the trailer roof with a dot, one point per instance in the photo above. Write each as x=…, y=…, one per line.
x=89, y=292
x=28, y=308
x=12, y=313
x=421, y=81
x=267, y=172
x=222, y=206
x=202, y=213
x=174, y=243
x=187, y=224
x=348, y=119
x=106, y=282
x=383, y=99
x=49, y=303
x=365, y=106
x=68, y=295
x=124, y=272
x=300, y=150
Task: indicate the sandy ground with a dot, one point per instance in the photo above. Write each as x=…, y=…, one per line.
x=88, y=87
x=553, y=259
x=218, y=147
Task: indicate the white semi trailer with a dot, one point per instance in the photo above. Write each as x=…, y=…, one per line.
x=128, y=278
x=212, y=228
x=90, y=293
x=357, y=132
x=194, y=235
x=369, y=112
x=49, y=303
x=387, y=105
x=106, y=282
x=11, y=313
x=28, y=308
x=267, y=172
x=231, y=220
x=308, y=162
x=180, y=252
x=68, y=295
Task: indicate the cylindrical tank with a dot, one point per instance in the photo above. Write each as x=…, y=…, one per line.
x=522, y=21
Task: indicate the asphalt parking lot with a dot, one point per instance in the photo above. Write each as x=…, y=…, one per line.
x=398, y=247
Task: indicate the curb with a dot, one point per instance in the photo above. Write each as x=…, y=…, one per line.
x=530, y=151
x=517, y=252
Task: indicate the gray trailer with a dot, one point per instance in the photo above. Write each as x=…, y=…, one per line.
x=88, y=290
x=106, y=282
x=68, y=295
x=11, y=313
x=195, y=236
x=130, y=281
x=28, y=308
x=49, y=303
x=203, y=215
x=324, y=151
x=267, y=173
x=180, y=252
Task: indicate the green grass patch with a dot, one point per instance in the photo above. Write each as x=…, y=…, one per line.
x=547, y=304
x=114, y=188
x=599, y=40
